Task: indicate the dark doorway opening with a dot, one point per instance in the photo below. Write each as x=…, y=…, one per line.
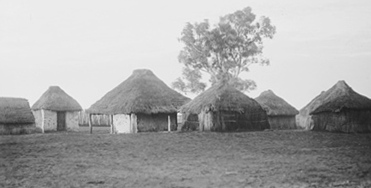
x=61, y=121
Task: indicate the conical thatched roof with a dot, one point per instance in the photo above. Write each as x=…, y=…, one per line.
x=274, y=105
x=303, y=119
x=222, y=97
x=15, y=111
x=56, y=99
x=142, y=92
x=341, y=96
x=313, y=104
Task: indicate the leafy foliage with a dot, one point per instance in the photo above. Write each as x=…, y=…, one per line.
x=192, y=77
x=226, y=50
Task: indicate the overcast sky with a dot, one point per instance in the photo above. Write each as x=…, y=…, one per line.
x=89, y=47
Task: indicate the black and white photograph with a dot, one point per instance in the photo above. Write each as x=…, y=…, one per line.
x=185, y=94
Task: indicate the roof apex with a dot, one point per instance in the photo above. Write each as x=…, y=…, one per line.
x=142, y=92
x=54, y=98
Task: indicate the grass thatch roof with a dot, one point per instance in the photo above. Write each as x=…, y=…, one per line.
x=274, y=105
x=56, y=99
x=312, y=105
x=342, y=96
x=142, y=92
x=15, y=111
x=222, y=97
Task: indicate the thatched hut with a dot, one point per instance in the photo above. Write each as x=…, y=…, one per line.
x=343, y=110
x=142, y=103
x=223, y=108
x=16, y=116
x=56, y=111
x=281, y=115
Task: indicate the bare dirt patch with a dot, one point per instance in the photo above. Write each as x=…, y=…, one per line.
x=191, y=159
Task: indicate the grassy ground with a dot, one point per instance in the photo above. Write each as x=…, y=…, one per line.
x=193, y=159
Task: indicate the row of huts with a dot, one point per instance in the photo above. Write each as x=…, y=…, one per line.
x=54, y=111
x=144, y=103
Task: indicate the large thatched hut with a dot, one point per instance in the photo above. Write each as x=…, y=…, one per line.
x=16, y=116
x=223, y=108
x=56, y=111
x=281, y=115
x=343, y=110
x=142, y=103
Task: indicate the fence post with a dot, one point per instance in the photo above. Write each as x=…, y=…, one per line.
x=42, y=121
x=90, y=125
x=110, y=118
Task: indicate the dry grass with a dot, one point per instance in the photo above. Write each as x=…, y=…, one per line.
x=143, y=92
x=341, y=96
x=15, y=111
x=192, y=159
x=56, y=99
x=275, y=105
x=223, y=97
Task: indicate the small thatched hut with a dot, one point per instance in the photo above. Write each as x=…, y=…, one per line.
x=16, y=116
x=343, y=110
x=223, y=108
x=142, y=103
x=56, y=111
x=281, y=115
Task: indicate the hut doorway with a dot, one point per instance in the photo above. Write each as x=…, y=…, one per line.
x=61, y=121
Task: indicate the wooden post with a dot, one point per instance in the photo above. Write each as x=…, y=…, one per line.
x=168, y=124
x=133, y=123
x=110, y=118
x=90, y=125
x=42, y=121
x=201, y=119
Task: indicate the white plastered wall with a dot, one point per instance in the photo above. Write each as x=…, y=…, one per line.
x=122, y=124
x=38, y=118
x=72, y=121
x=48, y=122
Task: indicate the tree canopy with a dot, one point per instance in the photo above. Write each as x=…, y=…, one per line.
x=223, y=51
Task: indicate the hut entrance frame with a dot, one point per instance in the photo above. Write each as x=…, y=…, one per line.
x=224, y=120
x=128, y=123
